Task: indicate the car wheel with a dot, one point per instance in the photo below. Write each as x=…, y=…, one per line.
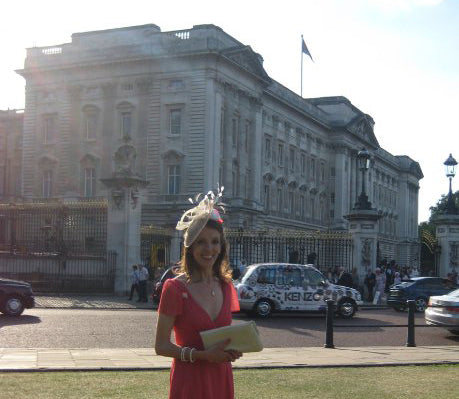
x=400, y=308
x=346, y=308
x=421, y=304
x=13, y=306
x=456, y=332
x=263, y=308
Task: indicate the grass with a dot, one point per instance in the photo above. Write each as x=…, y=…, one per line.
x=429, y=382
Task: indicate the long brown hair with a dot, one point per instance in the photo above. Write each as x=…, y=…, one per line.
x=221, y=268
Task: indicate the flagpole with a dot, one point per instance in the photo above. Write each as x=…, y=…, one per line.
x=301, y=91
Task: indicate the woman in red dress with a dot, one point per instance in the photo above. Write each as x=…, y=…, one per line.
x=201, y=298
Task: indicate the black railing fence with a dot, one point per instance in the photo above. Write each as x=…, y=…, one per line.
x=324, y=249
x=75, y=228
x=57, y=246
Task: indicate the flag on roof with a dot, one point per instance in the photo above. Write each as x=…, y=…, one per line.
x=304, y=49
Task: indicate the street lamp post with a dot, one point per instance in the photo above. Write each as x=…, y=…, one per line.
x=450, y=166
x=363, y=159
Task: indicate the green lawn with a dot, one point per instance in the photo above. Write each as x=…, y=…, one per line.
x=418, y=382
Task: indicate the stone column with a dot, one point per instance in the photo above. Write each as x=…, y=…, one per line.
x=363, y=225
x=123, y=233
x=124, y=215
x=175, y=246
x=448, y=239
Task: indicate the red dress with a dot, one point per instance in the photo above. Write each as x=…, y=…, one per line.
x=201, y=379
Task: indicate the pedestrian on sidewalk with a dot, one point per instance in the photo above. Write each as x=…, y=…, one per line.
x=134, y=282
x=143, y=278
x=370, y=282
x=202, y=297
x=344, y=278
x=380, y=286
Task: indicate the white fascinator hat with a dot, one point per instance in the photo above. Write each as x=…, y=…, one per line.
x=194, y=220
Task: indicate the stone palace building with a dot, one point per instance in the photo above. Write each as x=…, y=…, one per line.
x=200, y=110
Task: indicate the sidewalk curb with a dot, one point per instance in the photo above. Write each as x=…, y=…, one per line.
x=235, y=367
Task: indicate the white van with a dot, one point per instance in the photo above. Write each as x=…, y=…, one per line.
x=269, y=287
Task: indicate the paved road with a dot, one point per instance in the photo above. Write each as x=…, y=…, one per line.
x=87, y=328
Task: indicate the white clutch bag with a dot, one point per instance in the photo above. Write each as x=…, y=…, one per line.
x=244, y=337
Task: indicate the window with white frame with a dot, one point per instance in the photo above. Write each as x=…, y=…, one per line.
x=292, y=159
x=280, y=155
x=89, y=182
x=126, y=124
x=90, y=118
x=173, y=179
x=313, y=169
x=49, y=128
x=175, y=121
x=267, y=197
x=279, y=199
x=267, y=149
x=47, y=184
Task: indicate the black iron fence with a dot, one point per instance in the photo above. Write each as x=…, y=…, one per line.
x=76, y=228
x=57, y=274
x=324, y=249
x=56, y=246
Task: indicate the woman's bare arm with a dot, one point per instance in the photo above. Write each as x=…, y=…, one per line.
x=164, y=346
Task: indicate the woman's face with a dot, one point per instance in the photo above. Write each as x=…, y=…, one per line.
x=207, y=247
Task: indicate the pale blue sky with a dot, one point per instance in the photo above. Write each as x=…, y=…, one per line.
x=397, y=60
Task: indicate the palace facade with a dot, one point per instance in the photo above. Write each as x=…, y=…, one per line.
x=200, y=110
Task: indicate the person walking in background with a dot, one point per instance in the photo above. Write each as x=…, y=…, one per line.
x=344, y=278
x=380, y=285
x=134, y=282
x=397, y=278
x=370, y=282
x=143, y=278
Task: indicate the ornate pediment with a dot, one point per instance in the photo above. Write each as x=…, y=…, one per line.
x=47, y=161
x=245, y=57
x=363, y=127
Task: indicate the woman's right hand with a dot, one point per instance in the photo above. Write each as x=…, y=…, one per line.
x=217, y=353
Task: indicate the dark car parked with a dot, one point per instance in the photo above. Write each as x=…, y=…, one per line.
x=169, y=273
x=15, y=296
x=419, y=289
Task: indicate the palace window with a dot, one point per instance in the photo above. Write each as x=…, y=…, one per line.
x=266, y=197
x=47, y=184
x=268, y=149
x=175, y=121
x=173, y=179
x=280, y=155
x=292, y=159
x=49, y=128
x=89, y=182
x=126, y=124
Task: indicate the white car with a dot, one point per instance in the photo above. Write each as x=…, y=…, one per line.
x=444, y=310
x=269, y=287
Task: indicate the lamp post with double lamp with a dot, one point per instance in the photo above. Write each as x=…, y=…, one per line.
x=363, y=159
x=450, y=168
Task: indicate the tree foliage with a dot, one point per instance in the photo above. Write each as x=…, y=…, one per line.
x=441, y=204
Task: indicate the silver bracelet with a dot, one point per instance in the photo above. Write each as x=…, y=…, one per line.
x=182, y=353
x=191, y=355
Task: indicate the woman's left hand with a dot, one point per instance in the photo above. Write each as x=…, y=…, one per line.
x=234, y=354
